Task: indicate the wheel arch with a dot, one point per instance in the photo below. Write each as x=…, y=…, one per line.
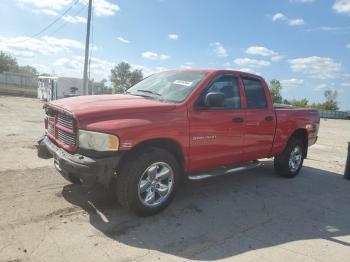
x=168, y=144
x=302, y=135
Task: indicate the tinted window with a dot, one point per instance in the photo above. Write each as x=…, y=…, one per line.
x=227, y=85
x=255, y=94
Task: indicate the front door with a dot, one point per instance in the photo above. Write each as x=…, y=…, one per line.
x=216, y=134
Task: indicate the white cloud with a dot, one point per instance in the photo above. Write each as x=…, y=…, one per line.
x=291, y=22
x=263, y=51
x=348, y=46
x=104, y=8
x=316, y=67
x=154, y=56
x=345, y=84
x=247, y=62
x=100, y=69
x=173, y=36
x=186, y=65
x=291, y=83
x=260, y=50
x=45, y=12
x=101, y=7
x=74, y=19
x=279, y=16
x=247, y=70
x=320, y=87
x=219, y=49
x=123, y=40
x=296, y=22
x=24, y=46
x=276, y=58
x=342, y=6
x=50, y=4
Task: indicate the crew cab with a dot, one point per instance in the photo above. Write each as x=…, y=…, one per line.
x=192, y=124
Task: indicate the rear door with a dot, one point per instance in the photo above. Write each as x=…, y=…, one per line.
x=216, y=134
x=260, y=119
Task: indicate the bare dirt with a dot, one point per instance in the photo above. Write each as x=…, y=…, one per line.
x=248, y=216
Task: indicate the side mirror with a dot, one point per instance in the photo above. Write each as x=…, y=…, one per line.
x=214, y=99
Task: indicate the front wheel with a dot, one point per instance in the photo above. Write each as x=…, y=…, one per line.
x=147, y=182
x=290, y=161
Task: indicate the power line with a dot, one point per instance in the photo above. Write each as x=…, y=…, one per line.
x=51, y=24
x=66, y=22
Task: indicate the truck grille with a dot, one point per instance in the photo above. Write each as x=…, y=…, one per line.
x=66, y=138
x=65, y=121
x=61, y=128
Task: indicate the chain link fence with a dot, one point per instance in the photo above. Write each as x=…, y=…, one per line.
x=18, y=84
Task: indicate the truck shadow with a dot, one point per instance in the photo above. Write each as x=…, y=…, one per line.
x=222, y=217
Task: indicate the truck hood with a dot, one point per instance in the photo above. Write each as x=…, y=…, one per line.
x=84, y=107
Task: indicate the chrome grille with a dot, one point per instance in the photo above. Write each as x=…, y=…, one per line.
x=65, y=137
x=65, y=121
x=50, y=129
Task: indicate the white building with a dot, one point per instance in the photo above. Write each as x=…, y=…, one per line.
x=52, y=88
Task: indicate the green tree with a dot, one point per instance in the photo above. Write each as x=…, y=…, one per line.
x=123, y=78
x=135, y=77
x=27, y=70
x=331, y=100
x=297, y=102
x=99, y=87
x=8, y=63
x=275, y=90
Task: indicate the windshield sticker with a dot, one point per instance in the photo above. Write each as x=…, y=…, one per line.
x=182, y=83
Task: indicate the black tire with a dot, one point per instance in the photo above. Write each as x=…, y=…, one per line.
x=131, y=172
x=281, y=162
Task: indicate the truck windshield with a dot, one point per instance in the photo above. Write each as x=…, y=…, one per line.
x=172, y=86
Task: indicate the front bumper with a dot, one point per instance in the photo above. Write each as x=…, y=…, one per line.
x=88, y=170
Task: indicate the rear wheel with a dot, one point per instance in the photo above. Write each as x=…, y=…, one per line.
x=147, y=182
x=290, y=161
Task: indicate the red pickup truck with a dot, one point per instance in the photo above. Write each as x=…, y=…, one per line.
x=172, y=125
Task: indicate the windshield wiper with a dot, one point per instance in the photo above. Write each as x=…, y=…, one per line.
x=149, y=91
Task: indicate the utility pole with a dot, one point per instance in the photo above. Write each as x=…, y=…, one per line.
x=87, y=45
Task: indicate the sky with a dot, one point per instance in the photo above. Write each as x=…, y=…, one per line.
x=303, y=43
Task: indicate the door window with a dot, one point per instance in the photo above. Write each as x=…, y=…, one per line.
x=228, y=85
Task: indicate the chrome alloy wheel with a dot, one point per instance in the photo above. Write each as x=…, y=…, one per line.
x=156, y=184
x=295, y=158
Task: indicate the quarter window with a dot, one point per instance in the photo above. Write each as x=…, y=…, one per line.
x=254, y=93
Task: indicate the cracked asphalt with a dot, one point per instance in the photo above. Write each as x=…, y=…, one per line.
x=248, y=216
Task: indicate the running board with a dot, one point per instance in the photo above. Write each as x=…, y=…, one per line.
x=224, y=171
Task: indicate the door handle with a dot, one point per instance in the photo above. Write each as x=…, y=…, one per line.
x=269, y=118
x=237, y=120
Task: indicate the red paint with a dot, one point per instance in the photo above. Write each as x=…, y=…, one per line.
x=207, y=138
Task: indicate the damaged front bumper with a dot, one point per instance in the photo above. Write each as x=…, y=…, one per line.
x=87, y=169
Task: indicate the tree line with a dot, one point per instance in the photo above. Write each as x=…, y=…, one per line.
x=121, y=77
x=10, y=64
x=330, y=102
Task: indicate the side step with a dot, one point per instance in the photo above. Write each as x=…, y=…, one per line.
x=224, y=170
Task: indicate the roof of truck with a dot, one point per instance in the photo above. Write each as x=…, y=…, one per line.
x=237, y=72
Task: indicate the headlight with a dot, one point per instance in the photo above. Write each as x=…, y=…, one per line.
x=98, y=141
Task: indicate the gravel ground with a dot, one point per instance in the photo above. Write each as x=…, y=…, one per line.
x=248, y=216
